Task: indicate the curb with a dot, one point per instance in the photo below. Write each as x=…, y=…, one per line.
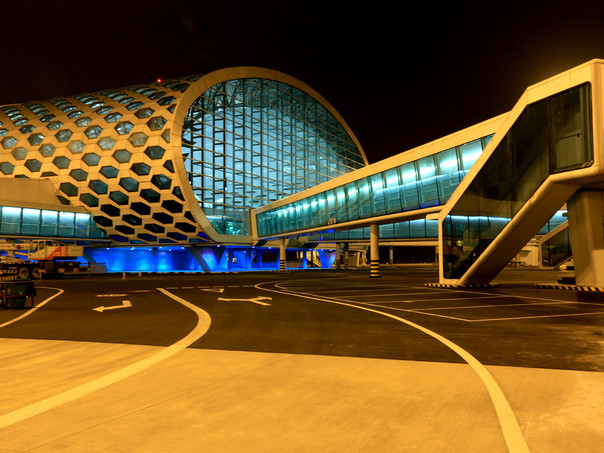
x=448, y=285
x=593, y=289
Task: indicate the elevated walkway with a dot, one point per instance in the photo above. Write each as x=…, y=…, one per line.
x=548, y=152
x=405, y=187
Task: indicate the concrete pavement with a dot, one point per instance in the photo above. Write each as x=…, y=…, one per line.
x=229, y=401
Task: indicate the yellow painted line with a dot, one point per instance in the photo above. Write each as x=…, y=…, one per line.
x=33, y=310
x=202, y=326
x=507, y=419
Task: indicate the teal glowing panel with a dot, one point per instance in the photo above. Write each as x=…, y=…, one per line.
x=424, y=183
x=249, y=142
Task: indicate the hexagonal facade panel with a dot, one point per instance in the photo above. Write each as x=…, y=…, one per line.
x=180, y=161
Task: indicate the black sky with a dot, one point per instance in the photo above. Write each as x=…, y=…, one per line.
x=399, y=77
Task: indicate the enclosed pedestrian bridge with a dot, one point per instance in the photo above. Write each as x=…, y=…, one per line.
x=491, y=187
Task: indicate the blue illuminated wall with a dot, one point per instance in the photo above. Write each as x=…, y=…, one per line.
x=178, y=259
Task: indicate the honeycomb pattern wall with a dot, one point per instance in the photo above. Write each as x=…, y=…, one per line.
x=119, y=153
x=109, y=152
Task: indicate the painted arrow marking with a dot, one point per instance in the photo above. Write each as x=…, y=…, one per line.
x=125, y=304
x=214, y=290
x=256, y=300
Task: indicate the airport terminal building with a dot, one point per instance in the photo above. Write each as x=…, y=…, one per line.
x=209, y=172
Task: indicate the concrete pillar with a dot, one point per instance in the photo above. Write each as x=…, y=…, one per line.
x=304, y=260
x=346, y=256
x=374, y=259
x=259, y=259
x=586, y=223
x=282, y=255
x=338, y=252
x=390, y=256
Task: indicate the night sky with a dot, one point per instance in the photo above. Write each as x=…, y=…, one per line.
x=400, y=78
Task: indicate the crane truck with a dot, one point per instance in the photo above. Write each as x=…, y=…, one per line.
x=39, y=257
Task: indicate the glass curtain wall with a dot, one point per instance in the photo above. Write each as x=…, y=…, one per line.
x=45, y=223
x=413, y=229
x=424, y=183
x=249, y=142
x=550, y=136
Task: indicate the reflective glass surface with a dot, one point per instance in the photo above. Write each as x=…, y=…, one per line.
x=550, y=136
x=38, y=222
x=427, y=182
x=249, y=142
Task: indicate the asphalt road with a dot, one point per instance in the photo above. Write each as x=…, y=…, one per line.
x=330, y=313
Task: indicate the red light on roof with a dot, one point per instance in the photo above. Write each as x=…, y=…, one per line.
x=158, y=80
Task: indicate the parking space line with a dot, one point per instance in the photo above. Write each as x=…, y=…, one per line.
x=423, y=313
x=434, y=300
x=470, y=307
x=537, y=317
x=397, y=294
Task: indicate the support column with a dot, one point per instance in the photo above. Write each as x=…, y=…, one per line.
x=282, y=255
x=346, y=255
x=304, y=260
x=586, y=223
x=338, y=253
x=374, y=260
x=390, y=256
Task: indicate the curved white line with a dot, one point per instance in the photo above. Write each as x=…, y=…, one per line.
x=203, y=324
x=509, y=424
x=40, y=305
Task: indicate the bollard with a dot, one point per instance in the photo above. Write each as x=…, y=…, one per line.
x=124, y=276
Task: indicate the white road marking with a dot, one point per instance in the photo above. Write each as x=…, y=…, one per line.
x=256, y=300
x=420, y=312
x=412, y=301
x=470, y=307
x=125, y=304
x=214, y=290
x=110, y=295
x=507, y=419
x=40, y=305
x=540, y=316
x=395, y=294
x=202, y=326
